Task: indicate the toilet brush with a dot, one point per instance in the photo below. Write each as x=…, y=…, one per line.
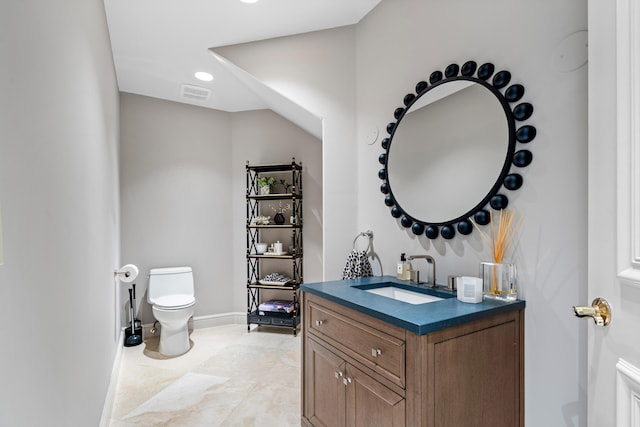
x=133, y=339
x=137, y=322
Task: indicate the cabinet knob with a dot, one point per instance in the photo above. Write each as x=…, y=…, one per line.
x=375, y=352
x=339, y=374
x=319, y=322
x=346, y=380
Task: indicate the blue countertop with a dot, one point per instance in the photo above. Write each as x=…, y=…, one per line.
x=418, y=318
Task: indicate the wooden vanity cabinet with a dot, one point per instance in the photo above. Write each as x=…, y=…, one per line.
x=361, y=371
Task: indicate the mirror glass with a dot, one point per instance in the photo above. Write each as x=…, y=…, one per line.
x=448, y=151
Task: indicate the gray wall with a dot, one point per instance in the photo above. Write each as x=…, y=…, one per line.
x=60, y=212
x=263, y=137
x=398, y=44
x=59, y=182
x=183, y=193
x=551, y=249
x=604, y=350
x=175, y=186
x=317, y=71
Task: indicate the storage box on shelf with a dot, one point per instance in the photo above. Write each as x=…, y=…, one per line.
x=274, y=215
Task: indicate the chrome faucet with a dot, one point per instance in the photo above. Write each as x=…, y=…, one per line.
x=432, y=280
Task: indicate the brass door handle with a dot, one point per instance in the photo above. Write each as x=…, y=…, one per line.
x=600, y=311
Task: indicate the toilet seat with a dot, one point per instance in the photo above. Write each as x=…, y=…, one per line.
x=174, y=302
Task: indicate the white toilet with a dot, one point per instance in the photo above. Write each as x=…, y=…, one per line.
x=172, y=295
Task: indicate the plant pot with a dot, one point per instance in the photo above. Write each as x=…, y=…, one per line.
x=279, y=219
x=265, y=190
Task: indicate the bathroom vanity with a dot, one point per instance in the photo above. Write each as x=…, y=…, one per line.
x=371, y=357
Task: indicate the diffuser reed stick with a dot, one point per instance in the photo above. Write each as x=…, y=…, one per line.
x=501, y=235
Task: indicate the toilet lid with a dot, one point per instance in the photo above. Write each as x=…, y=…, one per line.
x=174, y=301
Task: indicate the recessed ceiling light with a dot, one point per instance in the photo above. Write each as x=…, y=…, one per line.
x=204, y=76
x=249, y=1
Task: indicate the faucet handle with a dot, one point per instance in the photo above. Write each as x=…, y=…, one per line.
x=451, y=283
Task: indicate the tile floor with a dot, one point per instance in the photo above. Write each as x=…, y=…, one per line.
x=229, y=378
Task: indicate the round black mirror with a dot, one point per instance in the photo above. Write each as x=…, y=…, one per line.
x=452, y=147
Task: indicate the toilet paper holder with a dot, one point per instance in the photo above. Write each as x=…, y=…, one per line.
x=127, y=273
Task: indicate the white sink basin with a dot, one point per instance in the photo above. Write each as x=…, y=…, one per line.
x=404, y=295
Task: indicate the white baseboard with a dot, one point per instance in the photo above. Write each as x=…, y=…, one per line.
x=199, y=322
x=208, y=321
x=107, y=409
x=218, y=320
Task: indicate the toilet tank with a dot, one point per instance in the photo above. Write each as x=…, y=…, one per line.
x=170, y=281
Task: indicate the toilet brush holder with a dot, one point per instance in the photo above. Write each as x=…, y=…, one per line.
x=136, y=331
x=132, y=339
x=132, y=334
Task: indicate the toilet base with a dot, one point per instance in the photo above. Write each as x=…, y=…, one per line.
x=174, y=329
x=174, y=341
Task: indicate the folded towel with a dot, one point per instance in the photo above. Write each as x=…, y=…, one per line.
x=276, y=306
x=357, y=266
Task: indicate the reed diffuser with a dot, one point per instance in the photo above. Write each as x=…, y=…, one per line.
x=499, y=278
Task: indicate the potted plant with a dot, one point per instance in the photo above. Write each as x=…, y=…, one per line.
x=265, y=183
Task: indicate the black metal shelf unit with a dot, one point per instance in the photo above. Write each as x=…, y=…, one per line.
x=288, y=189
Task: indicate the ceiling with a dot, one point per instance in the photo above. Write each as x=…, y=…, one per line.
x=158, y=45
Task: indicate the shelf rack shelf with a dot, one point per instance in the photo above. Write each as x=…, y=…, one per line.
x=290, y=182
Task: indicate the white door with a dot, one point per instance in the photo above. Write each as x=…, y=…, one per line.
x=613, y=370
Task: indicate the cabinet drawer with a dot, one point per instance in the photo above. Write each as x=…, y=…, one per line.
x=376, y=350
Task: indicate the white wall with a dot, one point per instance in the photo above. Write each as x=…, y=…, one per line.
x=183, y=193
x=59, y=199
x=396, y=45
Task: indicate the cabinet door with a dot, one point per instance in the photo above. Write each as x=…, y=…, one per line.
x=476, y=377
x=371, y=404
x=324, y=393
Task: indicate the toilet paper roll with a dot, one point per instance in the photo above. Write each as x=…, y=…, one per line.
x=128, y=273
